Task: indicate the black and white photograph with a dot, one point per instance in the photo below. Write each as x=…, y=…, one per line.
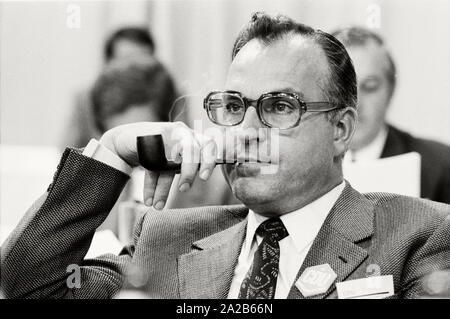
x=225, y=149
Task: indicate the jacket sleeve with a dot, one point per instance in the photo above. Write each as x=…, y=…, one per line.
x=433, y=255
x=50, y=242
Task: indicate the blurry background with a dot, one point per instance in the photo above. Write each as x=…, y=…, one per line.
x=45, y=57
x=49, y=51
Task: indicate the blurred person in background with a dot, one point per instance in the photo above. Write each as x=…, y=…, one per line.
x=374, y=137
x=131, y=89
x=125, y=42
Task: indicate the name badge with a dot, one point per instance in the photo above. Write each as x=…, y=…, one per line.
x=375, y=287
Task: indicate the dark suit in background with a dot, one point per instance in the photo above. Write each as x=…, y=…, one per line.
x=435, y=162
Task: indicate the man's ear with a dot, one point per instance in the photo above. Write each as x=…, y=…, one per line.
x=344, y=128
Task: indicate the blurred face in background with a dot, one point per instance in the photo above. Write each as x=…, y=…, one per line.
x=124, y=48
x=374, y=91
x=134, y=89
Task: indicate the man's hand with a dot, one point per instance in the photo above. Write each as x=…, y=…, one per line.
x=197, y=153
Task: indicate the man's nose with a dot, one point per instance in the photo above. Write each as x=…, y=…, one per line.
x=251, y=119
x=251, y=128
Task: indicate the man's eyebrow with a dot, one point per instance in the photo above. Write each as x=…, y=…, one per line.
x=290, y=90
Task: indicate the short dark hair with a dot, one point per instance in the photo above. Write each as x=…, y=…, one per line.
x=128, y=82
x=138, y=35
x=360, y=36
x=341, y=85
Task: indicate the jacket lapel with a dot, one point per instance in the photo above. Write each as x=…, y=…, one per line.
x=338, y=242
x=208, y=270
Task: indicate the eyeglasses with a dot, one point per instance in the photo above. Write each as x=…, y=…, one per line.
x=280, y=110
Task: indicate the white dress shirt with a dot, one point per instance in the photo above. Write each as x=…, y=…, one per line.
x=100, y=153
x=303, y=225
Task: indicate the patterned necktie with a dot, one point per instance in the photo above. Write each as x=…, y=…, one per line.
x=261, y=279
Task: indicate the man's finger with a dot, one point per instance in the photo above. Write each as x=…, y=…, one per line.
x=150, y=181
x=191, y=155
x=162, y=189
x=209, y=155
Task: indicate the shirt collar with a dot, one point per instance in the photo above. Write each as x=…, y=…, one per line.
x=303, y=224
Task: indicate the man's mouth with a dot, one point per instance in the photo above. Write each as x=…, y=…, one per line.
x=247, y=159
x=253, y=159
x=254, y=167
x=248, y=169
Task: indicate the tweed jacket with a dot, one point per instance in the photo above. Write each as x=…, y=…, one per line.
x=192, y=253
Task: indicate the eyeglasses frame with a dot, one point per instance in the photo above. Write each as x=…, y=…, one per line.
x=304, y=106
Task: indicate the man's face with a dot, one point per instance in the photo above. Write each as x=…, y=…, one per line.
x=306, y=151
x=371, y=64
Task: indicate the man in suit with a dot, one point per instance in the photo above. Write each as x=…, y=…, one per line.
x=285, y=78
x=375, y=138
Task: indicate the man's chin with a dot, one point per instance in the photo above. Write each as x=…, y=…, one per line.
x=249, y=182
x=251, y=190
